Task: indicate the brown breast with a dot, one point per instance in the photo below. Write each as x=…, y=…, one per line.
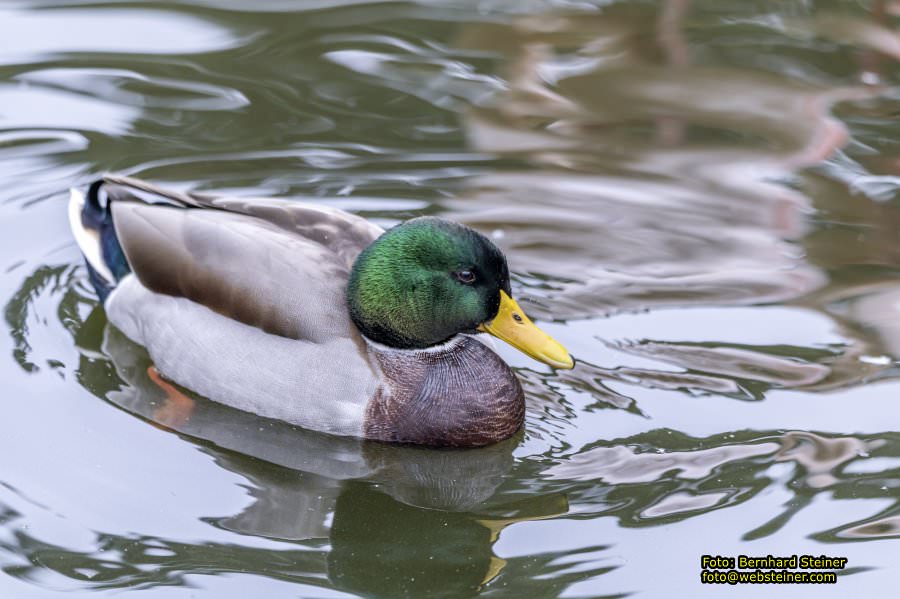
x=461, y=396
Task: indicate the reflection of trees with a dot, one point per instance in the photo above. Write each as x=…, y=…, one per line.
x=642, y=483
x=661, y=183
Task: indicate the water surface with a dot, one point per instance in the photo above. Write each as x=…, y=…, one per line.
x=699, y=199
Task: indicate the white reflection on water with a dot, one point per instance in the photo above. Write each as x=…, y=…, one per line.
x=34, y=35
x=29, y=107
x=112, y=86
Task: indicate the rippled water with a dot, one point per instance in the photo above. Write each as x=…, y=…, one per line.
x=699, y=199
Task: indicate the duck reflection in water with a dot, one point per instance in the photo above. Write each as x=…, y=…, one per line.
x=397, y=516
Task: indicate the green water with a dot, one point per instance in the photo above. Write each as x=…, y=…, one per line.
x=699, y=199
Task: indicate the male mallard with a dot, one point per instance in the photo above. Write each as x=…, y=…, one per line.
x=312, y=315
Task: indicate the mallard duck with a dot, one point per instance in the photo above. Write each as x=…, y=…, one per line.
x=312, y=315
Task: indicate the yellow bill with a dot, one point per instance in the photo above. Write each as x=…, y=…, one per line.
x=515, y=328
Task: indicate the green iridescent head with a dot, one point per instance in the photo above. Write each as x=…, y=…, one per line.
x=429, y=279
x=425, y=281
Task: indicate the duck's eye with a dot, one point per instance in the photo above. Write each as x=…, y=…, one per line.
x=466, y=277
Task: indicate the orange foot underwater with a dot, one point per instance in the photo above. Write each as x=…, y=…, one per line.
x=177, y=407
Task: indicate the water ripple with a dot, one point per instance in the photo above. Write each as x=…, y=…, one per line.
x=133, y=89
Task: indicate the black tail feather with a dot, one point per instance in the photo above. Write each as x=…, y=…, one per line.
x=97, y=215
